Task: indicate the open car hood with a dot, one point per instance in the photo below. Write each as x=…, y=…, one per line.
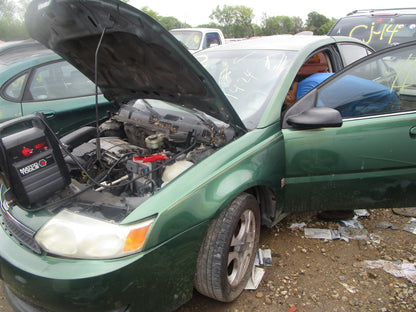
x=137, y=57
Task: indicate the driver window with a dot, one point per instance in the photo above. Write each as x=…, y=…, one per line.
x=314, y=71
x=381, y=85
x=211, y=40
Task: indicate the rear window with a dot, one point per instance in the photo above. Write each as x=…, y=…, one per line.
x=379, y=31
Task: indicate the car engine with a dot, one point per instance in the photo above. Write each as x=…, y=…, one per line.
x=139, y=151
x=107, y=171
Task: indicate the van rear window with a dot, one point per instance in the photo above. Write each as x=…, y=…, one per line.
x=379, y=31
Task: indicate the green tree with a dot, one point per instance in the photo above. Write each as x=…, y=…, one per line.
x=235, y=21
x=151, y=13
x=315, y=21
x=210, y=25
x=297, y=24
x=12, y=26
x=277, y=25
x=170, y=22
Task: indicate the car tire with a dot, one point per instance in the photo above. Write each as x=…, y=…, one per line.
x=227, y=254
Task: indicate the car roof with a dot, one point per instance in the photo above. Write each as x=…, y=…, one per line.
x=11, y=47
x=13, y=64
x=28, y=56
x=202, y=29
x=378, y=12
x=284, y=42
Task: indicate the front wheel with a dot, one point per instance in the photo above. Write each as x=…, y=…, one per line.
x=228, y=251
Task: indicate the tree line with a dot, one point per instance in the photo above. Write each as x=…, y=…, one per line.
x=235, y=21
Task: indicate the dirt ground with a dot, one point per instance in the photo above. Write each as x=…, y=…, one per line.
x=325, y=275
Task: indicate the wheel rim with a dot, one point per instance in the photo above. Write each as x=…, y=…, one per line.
x=241, y=248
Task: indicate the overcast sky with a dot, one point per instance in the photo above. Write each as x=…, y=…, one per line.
x=196, y=12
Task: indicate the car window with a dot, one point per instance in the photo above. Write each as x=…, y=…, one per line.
x=57, y=81
x=380, y=85
x=247, y=78
x=316, y=69
x=211, y=39
x=191, y=39
x=13, y=91
x=352, y=52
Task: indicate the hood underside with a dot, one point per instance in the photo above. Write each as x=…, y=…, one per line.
x=136, y=57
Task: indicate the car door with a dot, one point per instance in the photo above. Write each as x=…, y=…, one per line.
x=366, y=157
x=64, y=95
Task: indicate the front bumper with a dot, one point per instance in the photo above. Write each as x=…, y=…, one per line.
x=160, y=279
x=20, y=305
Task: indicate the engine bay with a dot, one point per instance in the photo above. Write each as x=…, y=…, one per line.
x=134, y=154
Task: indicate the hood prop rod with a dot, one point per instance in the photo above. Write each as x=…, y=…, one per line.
x=97, y=117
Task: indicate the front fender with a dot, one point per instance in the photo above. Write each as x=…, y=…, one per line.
x=204, y=190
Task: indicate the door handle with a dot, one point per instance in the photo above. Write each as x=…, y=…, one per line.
x=49, y=113
x=412, y=132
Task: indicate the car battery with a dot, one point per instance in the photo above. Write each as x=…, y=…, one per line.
x=31, y=160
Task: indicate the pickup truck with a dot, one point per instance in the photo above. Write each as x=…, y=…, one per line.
x=196, y=39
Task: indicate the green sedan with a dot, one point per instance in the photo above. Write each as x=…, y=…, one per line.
x=171, y=192
x=41, y=81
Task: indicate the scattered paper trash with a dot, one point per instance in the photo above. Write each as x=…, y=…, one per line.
x=402, y=269
x=255, y=279
x=410, y=226
x=263, y=258
x=347, y=233
x=352, y=229
x=267, y=257
x=321, y=233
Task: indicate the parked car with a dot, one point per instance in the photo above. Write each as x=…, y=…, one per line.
x=380, y=28
x=41, y=81
x=173, y=192
x=197, y=39
x=18, y=46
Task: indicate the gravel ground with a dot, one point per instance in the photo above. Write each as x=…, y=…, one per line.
x=325, y=275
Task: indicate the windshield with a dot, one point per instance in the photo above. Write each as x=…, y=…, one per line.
x=191, y=39
x=378, y=31
x=247, y=78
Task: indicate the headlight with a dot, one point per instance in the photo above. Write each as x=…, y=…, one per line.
x=75, y=236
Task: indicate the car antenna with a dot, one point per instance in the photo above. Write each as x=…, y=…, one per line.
x=97, y=117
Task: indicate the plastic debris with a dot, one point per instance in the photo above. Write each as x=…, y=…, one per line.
x=410, y=226
x=297, y=226
x=263, y=258
x=401, y=269
x=352, y=229
x=347, y=233
x=255, y=279
x=355, y=224
x=361, y=213
x=351, y=289
x=387, y=225
x=321, y=233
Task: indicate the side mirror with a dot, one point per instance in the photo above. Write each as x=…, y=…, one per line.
x=316, y=117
